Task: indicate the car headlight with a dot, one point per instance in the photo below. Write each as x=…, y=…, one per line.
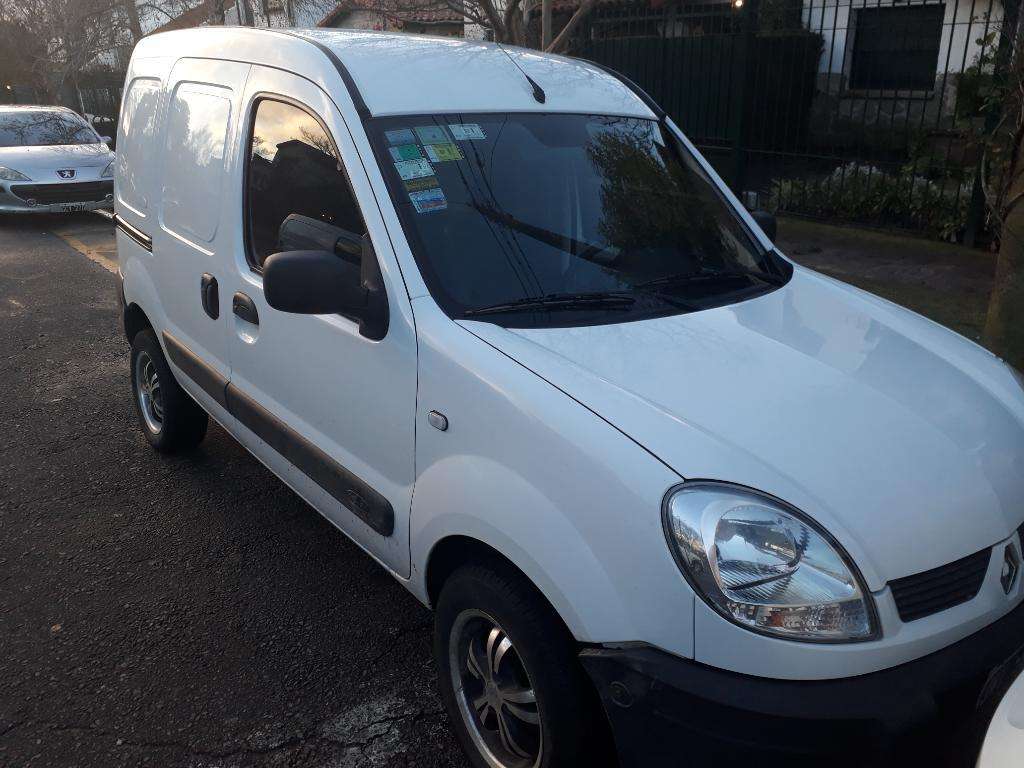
x=9, y=174
x=765, y=566
x=108, y=172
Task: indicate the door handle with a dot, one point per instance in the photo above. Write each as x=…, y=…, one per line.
x=244, y=307
x=210, y=295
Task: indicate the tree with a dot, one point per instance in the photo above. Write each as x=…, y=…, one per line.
x=999, y=73
x=65, y=35
x=503, y=19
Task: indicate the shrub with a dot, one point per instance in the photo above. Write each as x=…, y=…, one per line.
x=864, y=193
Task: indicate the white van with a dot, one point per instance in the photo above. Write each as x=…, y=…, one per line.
x=491, y=314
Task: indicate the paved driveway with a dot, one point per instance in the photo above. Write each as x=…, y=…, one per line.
x=173, y=612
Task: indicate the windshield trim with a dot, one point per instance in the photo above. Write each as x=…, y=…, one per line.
x=774, y=262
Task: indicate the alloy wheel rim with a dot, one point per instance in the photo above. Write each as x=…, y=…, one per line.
x=151, y=402
x=496, y=697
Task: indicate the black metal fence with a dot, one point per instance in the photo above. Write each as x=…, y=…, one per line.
x=864, y=110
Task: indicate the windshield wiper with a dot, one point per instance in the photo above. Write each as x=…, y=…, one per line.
x=559, y=301
x=685, y=278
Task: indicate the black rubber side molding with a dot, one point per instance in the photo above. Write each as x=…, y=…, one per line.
x=134, y=233
x=368, y=505
x=209, y=379
x=350, y=491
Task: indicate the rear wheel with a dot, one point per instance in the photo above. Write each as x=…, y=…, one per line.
x=509, y=676
x=170, y=419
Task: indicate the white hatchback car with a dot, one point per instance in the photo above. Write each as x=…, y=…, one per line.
x=52, y=161
x=491, y=314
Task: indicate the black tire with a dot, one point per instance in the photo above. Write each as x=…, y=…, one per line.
x=177, y=423
x=573, y=727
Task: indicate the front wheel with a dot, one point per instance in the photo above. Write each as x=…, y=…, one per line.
x=510, y=678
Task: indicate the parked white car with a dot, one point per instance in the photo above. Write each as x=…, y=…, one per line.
x=492, y=315
x=52, y=161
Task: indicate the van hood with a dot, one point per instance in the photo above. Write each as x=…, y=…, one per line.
x=42, y=163
x=903, y=439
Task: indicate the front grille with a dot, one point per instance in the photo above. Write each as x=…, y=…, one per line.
x=936, y=590
x=78, y=192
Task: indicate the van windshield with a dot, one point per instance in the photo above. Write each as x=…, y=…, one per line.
x=44, y=129
x=550, y=220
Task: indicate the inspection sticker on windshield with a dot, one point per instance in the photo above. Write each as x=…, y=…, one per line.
x=432, y=134
x=400, y=136
x=415, y=185
x=466, y=131
x=428, y=200
x=438, y=153
x=413, y=169
x=405, y=152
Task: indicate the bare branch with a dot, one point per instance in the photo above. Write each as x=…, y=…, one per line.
x=561, y=42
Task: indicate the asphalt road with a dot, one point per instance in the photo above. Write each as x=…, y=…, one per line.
x=187, y=611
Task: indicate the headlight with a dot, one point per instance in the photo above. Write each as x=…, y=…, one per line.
x=9, y=174
x=765, y=566
x=108, y=172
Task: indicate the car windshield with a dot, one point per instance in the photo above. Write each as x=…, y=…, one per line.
x=44, y=129
x=544, y=220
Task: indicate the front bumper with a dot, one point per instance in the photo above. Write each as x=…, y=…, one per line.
x=57, y=198
x=667, y=711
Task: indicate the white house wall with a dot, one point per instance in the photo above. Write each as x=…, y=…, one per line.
x=964, y=23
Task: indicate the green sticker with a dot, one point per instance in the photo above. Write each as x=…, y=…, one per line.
x=439, y=153
x=432, y=134
x=415, y=185
x=406, y=152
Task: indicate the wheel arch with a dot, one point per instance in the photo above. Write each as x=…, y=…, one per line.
x=135, y=320
x=455, y=551
x=458, y=548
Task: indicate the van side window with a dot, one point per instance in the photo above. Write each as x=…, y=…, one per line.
x=298, y=195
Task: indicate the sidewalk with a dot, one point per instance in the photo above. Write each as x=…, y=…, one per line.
x=948, y=283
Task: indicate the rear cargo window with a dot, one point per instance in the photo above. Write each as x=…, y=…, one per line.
x=197, y=126
x=135, y=148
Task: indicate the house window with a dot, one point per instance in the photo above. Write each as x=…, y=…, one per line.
x=897, y=48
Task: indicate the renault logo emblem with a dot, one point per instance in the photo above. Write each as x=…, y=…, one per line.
x=1011, y=564
x=66, y=173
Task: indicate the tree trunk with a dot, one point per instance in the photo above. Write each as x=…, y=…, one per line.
x=545, y=24
x=217, y=12
x=1004, y=327
x=134, y=25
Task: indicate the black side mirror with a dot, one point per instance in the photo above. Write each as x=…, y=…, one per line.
x=767, y=222
x=321, y=283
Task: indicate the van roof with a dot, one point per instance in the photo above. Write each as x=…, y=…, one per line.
x=398, y=73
